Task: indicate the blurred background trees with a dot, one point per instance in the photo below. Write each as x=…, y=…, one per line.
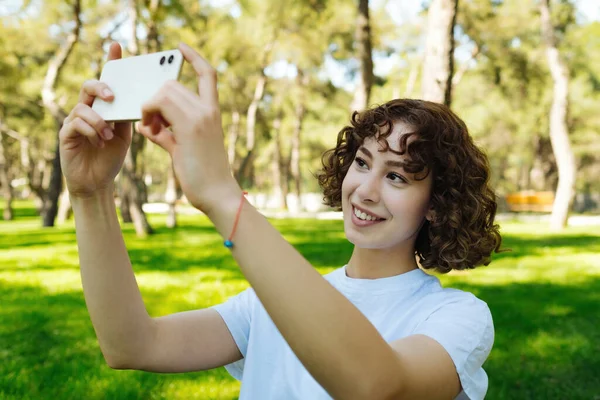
x=291, y=72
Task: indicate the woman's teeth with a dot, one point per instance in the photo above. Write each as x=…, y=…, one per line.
x=366, y=217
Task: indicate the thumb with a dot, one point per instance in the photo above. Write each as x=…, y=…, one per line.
x=164, y=138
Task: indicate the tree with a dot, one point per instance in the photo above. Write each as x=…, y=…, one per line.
x=559, y=135
x=5, y=179
x=131, y=185
x=438, y=66
x=55, y=66
x=364, y=55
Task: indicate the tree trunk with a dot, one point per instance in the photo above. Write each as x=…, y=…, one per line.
x=132, y=186
x=50, y=204
x=411, y=80
x=132, y=12
x=64, y=206
x=233, y=133
x=132, y=190
x=124, y=186
x=244, y=175
x=364, y=54
x=34, y=175
x=559, y=135
x=461, y=72
x=278, y=176
x=302, y=81
x=5, y=181
x=171, y=197
x=124, y=201
x=55, y=66
x=152, y=40
x=438, y=66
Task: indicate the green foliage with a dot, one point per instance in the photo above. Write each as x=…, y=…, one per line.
x=504, y=96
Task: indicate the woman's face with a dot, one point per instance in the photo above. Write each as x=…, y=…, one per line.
x=391, y=205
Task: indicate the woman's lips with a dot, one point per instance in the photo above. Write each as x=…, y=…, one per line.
x=362, y=223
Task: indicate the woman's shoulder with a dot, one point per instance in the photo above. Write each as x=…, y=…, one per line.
x=457, y=300
x=449, y=309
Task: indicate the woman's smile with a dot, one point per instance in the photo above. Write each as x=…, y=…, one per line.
x=361, y=218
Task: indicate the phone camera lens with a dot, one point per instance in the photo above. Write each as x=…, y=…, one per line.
x=162, y=60
x=171, y=59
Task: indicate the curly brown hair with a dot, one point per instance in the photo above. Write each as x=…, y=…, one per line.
x=463, y=234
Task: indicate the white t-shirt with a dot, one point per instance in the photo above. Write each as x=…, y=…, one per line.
x=399, y=306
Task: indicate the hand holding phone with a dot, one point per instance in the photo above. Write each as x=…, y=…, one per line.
x=134, y=81
x=92, y=151
x=192, y=134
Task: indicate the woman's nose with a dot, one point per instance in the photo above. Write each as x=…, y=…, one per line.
x=368, y=190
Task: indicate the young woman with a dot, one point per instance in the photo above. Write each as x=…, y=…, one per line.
x=414, y=193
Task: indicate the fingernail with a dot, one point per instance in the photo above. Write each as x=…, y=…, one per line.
x=107, y=133
x=107, y=92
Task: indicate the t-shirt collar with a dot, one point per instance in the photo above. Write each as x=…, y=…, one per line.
x=395, y=283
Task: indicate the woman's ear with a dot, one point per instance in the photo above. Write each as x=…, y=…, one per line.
x=430, y=216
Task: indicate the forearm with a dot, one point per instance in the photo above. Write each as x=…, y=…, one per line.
x=334, y=341
x=111, y=292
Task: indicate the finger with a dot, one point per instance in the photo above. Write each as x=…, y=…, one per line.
x=93, y=119
x=114, y=51
x=164, y=138
x=79, y=127
x=92, y=89
x=207, y=75
x=168, y=103
x=156, y=125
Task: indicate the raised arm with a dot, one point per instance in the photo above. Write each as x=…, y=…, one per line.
x=92, y=153
x=128, y=336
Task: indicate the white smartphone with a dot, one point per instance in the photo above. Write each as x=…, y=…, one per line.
x=134, y=81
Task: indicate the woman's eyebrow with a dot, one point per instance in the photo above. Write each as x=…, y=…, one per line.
x=389, y=163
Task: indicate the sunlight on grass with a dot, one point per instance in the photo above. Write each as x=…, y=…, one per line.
x=547, y=345
x=52, y=281
x=544, y=297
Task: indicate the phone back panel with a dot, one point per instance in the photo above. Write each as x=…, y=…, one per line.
x=134, y=81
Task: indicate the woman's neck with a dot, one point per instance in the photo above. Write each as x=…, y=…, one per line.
x=380, y=263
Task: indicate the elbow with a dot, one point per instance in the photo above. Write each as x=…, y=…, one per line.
x=383, y=393
x=117, y=365
x=374, y=391
x=118, y=362
x=384, y=388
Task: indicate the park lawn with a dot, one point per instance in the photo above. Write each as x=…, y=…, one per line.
x=544, y=297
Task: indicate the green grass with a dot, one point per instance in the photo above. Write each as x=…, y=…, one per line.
x=544, y=296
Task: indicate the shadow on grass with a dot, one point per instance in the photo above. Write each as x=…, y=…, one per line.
x=547, y=346
x=198, y=245
x=547, y=340
x=530, y=246
x=37, y=238
x=48, y=350
x=547, y=335
x=22, y=210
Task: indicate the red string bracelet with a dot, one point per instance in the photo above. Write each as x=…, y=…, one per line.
x=228, y=243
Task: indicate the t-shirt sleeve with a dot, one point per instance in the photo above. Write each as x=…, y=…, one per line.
x=237, y=314
x=464, y=327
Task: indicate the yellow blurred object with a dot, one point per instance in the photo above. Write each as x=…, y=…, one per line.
x=530, y=200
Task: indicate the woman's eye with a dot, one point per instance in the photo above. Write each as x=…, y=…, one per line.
x=396, y=178
x=360, y=162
